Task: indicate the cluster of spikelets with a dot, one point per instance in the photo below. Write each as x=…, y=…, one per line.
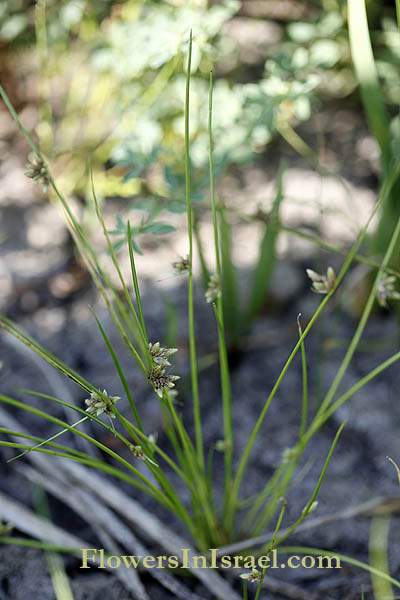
x=157, y=375
x=323, y=284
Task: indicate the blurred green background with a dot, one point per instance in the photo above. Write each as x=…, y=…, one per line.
x=109, y=77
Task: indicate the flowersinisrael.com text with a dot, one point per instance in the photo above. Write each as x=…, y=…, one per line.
x=103, y=560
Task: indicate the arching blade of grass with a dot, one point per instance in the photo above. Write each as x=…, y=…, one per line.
x=92, y=416
x=141, y=339
x=136, y=284
x=88, y=461
x=140, y=438
x=353, y=390
x=99, y=276
x=26, y=543
x=283, y=473
x=40, y=442
x=52, y=360
x=361, y=325
x=149, y=488
x=47, y=441
x=120, y=372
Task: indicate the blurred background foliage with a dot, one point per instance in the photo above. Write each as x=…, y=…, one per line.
x=110, y=76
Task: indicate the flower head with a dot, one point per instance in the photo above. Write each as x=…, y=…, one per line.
x=181, y=265
x=386, y=291
x=322, y=284
x=160, y=355
x=138, y=452
x=289, y=454
x=152, y=437
x=38, y=171
x=160, y=380
x=221, y=445
x=98, y=404
x=312, y=508
x=213, y=289
x=253, y=577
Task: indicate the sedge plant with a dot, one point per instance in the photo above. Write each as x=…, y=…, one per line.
x=209, y=524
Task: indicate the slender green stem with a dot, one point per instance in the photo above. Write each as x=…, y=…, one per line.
x=271, y=547
x=27, y=543
x=136, y=284
x=224, y=366
x=361, y=325
x=192, y=342
x=199, y=480
x=99, y=465
x=151, y=489
x=305, y=383
x=331, y=247
x=120, y=372
x=52, y=360
x=40, y=440
x=205, y=273
x=316, y=490
x=283, y=481
x=117, y=268
x=299, y=145
x=50, y=439
x=87, y=252
x=318, y=422
x=246, y=453
x=245, y=594
x=45, y=111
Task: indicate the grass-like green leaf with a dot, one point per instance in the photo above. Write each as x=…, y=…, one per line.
x=367, y=76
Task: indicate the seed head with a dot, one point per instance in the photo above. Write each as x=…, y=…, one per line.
x=289, y=454
x=386, y=290
x=221, y=445
x=160, y=380
x=160, y=355
x=214, y=289
x=97, y=405
x=152, y=437
x=138, y=452
x=313, y=507
x=38, y=171
x=322, y=284
x=181, y=265
x=253, y=577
